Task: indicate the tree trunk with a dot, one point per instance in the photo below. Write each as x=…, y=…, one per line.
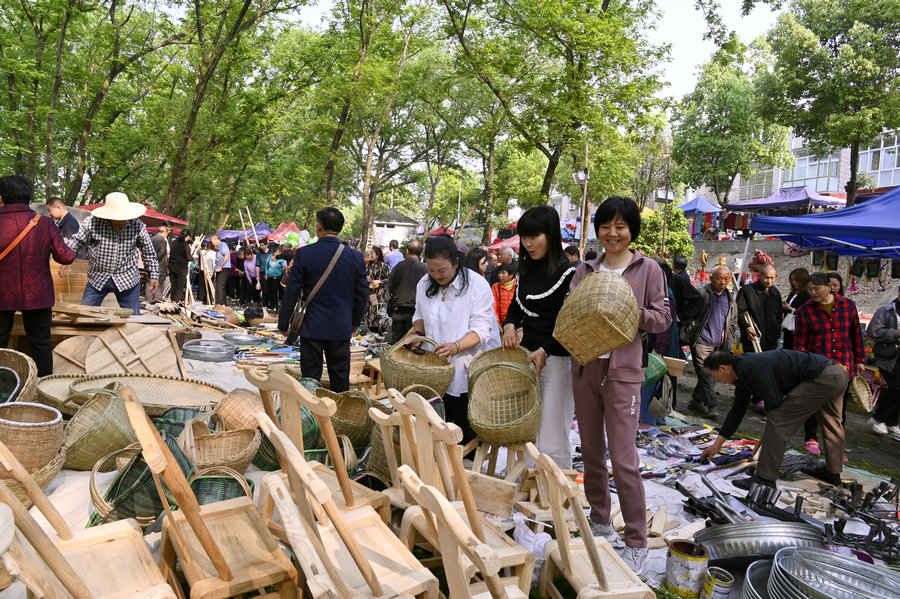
x=49, y=171
x=488, y=192
x=852, y=185
x=552, y=163
x=332, y=155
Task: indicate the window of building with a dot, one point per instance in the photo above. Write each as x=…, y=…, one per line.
x=819, y=173
x=879, y=161
x=759, y=185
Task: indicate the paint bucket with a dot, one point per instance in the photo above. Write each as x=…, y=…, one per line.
x=718, y=584
x=685, y=568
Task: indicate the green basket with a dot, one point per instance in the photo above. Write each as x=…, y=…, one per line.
x=266, y=457
x=219, y=484
x=133, y=492
x=172, y=420
x=656, y=369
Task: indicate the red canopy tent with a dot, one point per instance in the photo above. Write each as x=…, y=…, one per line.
x=441, y=231
x=282, y=231
x=512, y=242
x=151, y=218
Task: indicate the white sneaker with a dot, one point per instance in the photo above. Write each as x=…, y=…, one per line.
x=894, y=431
x=635, y=558
x=609, y=533
x=878, y=427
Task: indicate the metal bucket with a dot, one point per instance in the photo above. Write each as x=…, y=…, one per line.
x=718, y=584
x=685, y=568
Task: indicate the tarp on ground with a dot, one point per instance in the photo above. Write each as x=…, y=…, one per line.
x=787, y=197
x=871, y=228
x=700, y=205
x=151, y=217
x=282, y=230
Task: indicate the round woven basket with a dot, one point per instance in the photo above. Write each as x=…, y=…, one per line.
x=158, y=393
x=219, y=483
x=599, y=316
x=238, y=409
x=401, y=367
x=101, y=506
x=862, y=393
x=498, y=354
x=32, y=431
x=42, y=477
x=504, y=403
x=233, y=449
x=53, y=391
x=100, y=427
x=352, y=415
x=26, y=369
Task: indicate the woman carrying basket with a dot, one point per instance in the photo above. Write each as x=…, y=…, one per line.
x=608, y=388
x=455, y=307
x=544, y=277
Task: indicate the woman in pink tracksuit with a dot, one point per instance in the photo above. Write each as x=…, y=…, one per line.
x=607, y=389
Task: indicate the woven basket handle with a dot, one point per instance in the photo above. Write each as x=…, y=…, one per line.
x=225, y=471
x=409, y=388
x=350, y=459
x=186, y=440
x=406, y=341
x=109, y=392
x=100, y=504
x=527, y=370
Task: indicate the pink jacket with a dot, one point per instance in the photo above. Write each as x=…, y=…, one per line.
x=649, y=286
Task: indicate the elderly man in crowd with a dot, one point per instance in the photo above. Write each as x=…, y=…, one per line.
x=402, y=285
x=26, y=243
x=113, y=235
x=759, y=311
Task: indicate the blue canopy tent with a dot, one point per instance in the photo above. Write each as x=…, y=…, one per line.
x=785, y=198
x=699, y=205
x=696, y=211
x=868, y=229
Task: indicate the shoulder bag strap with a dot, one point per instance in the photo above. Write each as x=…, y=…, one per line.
x=324, y=276
x=21, y=236
x=300, y=308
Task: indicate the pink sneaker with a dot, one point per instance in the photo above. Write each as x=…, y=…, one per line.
x=812, y=446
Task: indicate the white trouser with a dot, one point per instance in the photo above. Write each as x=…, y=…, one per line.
x=557, y=409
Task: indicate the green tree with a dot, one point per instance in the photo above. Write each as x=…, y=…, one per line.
x=836, y=77
x=678, y=241
x=719, y=133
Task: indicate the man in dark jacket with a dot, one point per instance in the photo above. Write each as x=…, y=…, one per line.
x=160, y=243
x=402, y=286
x=334, y=314
x=25, y=269
x=687, y=299
x=761, y=302
x=711, y=329
x=793, y=385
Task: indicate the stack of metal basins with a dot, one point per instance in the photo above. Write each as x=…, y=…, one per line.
x=757, y=539
x=208, y=350
x=757, y=580
x=804, y=573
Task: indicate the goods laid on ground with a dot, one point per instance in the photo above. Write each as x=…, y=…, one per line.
x=157, y=393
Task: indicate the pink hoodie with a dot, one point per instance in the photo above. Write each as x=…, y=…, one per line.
x=649, y=286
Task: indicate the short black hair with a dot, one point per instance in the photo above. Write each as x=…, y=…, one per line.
x=331, y=218
x=533, y=222
x=473, y=258
x=16, y=189
x=836, y=275
x=414, y=247
x=590, y=255
x=394, y=244
x=718, y=358
x=820, y=279
x=55, y=201
x=679, y=262
x=572, y=250
x=623, y=207
x=509, y=268
x=441, y=246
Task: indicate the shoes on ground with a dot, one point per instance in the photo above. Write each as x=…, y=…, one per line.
x=894, y=431
x=747, y=483
x=812, y=446
x=759, y=406
x=878, y=427
x=823, y=475
x=635, y=558
x=608, y=532
x=698, y=407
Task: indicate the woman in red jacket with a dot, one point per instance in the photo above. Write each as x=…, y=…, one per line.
x=608, y=388
x=504, y=291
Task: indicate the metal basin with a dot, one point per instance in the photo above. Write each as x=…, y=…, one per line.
x=757, y=538
x=755, y=584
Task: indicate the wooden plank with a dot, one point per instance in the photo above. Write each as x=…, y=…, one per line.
x=658, y=524
x=70, y=354
x=178, y=358
x=132, y=348
x=686, y=532
x=492, y=495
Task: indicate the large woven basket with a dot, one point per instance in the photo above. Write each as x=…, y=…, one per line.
x=42, y=477
x=53, y=391
x=238, y=409
x=173, y=420
x=352, y=415
x=32, y=431
x=599, y=316
x=402, y=368
x=267, y=457
x=26, y=369
x=219, y=483
x=100, y=427
x=504, y=403
x=499, y=354
x=862, y=393
x=158, y=393
x=232, y=449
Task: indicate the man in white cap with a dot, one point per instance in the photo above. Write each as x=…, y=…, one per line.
x=113, y=234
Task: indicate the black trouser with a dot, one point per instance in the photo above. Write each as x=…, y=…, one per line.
x=276, y=291
x=457, y=409
x=37, y=330
x=179, y=282
x=220, y=279
x=401, y=322
x=888, y=408
x=337, y=357
x=233, y=287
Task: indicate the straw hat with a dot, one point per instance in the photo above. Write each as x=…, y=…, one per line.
x=117, y=207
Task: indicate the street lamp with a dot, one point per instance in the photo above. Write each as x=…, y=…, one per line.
x=581, y=178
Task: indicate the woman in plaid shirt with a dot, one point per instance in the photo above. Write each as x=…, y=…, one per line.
x=829, y=325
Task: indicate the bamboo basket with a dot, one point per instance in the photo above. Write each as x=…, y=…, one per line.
x=100, y=427
x=504, y=403
x=862, y=393
x=402, y=368
x=173, y=420
x=42, y=477
x=352, y=415
x=233, y=449
x=158, y=393
x=26, y=369
x=238, y=409
x=53, y=391
x=32, y=431
x=599, y=316
x=219, y=483
x=499, y=354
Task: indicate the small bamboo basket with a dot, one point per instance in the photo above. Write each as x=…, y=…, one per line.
x=32, y=431
x=599, y=316
x=862, y=393
x=238, y=409
x=233, y=449
x=26, y=369
x=402, y=368
x=99, y=427
x=219, y=483
x=352, y=415
x=504, y=403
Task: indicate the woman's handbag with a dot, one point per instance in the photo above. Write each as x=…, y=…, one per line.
x=788, y=323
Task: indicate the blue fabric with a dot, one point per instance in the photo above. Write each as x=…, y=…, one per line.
x=275, y=267
x=699, y=205
x=127, y=298
x=788, y=196
x=223, y=256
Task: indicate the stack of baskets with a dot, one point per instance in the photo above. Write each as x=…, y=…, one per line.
x=402, y=367
x=504, y=397
x=599, y=316
x=25, y=368
x=232, y=449
x=33, y=433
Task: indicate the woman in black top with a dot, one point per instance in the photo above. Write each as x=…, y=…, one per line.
x=179, y=258
x=543, y=283
x=798, y=279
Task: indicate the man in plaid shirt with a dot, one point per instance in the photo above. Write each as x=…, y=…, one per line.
x=113, y=235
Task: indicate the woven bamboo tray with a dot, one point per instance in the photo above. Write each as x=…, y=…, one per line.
x=599, y=316
x=53, y=391
x=862, y=393
x=42, y=477
x=25, y=367
x=158, y=393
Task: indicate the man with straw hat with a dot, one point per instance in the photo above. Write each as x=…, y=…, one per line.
x=113, y=234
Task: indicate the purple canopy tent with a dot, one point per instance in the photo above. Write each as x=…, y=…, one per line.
x=786, y=197
x=699, y=205
x=230, y=235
